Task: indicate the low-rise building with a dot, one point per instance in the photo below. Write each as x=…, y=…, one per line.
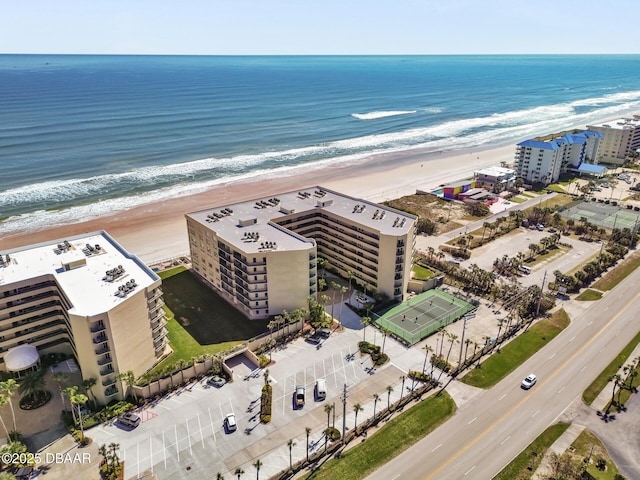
x=261, y=255
x=85, y=296
x=496, y=179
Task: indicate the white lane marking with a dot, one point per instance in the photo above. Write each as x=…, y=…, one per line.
x=561, y=390
x=583, y=368
x=589, y=323
x=164, y=450
x=472, y=420
x=175, y=432
x=552, y=356
x=572, y=339
x=503, y=395
x=469, y=471
x=439, y=445
x=503, y=441
x=537, y=412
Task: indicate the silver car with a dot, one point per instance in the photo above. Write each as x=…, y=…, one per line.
x=529, y=381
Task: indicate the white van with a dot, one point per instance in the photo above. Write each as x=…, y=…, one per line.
x=321, y=389
x=525, y=269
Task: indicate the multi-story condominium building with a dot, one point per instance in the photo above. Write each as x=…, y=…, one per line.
x=85, y=296
x=621, y=139
x=261, y=255
x=543, y=159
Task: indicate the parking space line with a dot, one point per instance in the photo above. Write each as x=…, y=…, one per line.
x=138, y=459
x=164, y=450
x=175, y=432
x=151, y=457
x=335, y=376
x=201, y=435
x=189, y=437
x=211, y=423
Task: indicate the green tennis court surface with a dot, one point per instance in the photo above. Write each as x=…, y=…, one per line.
x=424, y=314
x=603, y=215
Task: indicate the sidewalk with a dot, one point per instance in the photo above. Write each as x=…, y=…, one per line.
x=558, y=447
x=603, y=399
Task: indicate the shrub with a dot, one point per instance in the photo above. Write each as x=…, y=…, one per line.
x=423, y=377
x=265, y=403
x=263, y=360
x=440, y=363
x=332, y=433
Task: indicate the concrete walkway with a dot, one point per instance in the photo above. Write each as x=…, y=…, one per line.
x=558, y=447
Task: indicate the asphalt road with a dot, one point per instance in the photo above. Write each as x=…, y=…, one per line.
x=490, y=430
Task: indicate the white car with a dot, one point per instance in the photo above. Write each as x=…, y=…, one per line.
x=230, y=421
x=529, y=381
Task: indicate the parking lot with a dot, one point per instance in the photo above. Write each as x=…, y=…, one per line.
x=183, y=434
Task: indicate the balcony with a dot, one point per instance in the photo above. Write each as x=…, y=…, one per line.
x=105, y=360
x=103, y=349
x=97, y=327
x=157, y=325
x=109, y=381
x=101, y=338
x=111, y=391
x=106, y=371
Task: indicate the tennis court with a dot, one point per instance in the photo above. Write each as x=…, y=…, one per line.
x=603, y=215
x=424, y=314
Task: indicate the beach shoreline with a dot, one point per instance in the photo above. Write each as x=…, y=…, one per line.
x=157, y=232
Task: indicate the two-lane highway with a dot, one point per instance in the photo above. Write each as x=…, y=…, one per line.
x=490, y=430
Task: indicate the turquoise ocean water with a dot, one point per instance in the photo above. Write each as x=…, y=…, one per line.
x=81, y=136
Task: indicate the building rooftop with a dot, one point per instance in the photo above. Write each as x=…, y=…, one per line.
x=620, y=123
x=495, y=171
x=93, y=270
x=252, y=224
x=556, y=141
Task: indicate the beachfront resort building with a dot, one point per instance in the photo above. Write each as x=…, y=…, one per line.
x=261, y=255
x=543, y=159
x=621, y=139
x=85, y=296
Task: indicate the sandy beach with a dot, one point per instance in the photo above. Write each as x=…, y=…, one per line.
x=158, y=231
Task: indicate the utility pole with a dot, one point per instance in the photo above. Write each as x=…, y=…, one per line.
x=344, y=412
x=540, y=296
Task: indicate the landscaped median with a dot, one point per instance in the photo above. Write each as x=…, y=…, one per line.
x=502, y=362
x=396, y=436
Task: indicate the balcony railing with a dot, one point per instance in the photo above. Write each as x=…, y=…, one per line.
x=106, y=371
x=103, y=349
x=104, y=360
x=100, y=338
x=108, y=381
x=97, y=327
x=111, y=391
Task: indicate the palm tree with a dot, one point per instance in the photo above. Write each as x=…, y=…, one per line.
x=257, y=465
x=8, y=389
x=219, y=476
x=343, y=290
x=70, y=392
x=616, y=382
x=113, y=450
x=291, y=444
x=351, y=276
x=79, y=399
x=327, y=410
x=87, y=385
x=389, y=390
x=403, y=378
x=427, y=349
x=484, y=228
x=129, y=379
x=238, y=472
x=385, y=332
x=376, y=397
x=365, y=321
x=307, y=430
x=334, y=288
x=266, y=377
x=61, y=378
x=357, y=408
x=32, y=384
x=3, y=402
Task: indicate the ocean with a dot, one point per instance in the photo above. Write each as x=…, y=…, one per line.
x=82, y=136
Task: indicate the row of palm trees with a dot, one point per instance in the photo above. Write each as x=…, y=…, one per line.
x=620, y=382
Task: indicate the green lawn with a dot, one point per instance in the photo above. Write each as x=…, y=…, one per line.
x=518, y=199
x=589, y=296
x=511, y=355
x=527, y=462
x=593, y=390
x=588, y=444
x=614, y=276
x=388, y=442
x=199, y=321
x=422, y=273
